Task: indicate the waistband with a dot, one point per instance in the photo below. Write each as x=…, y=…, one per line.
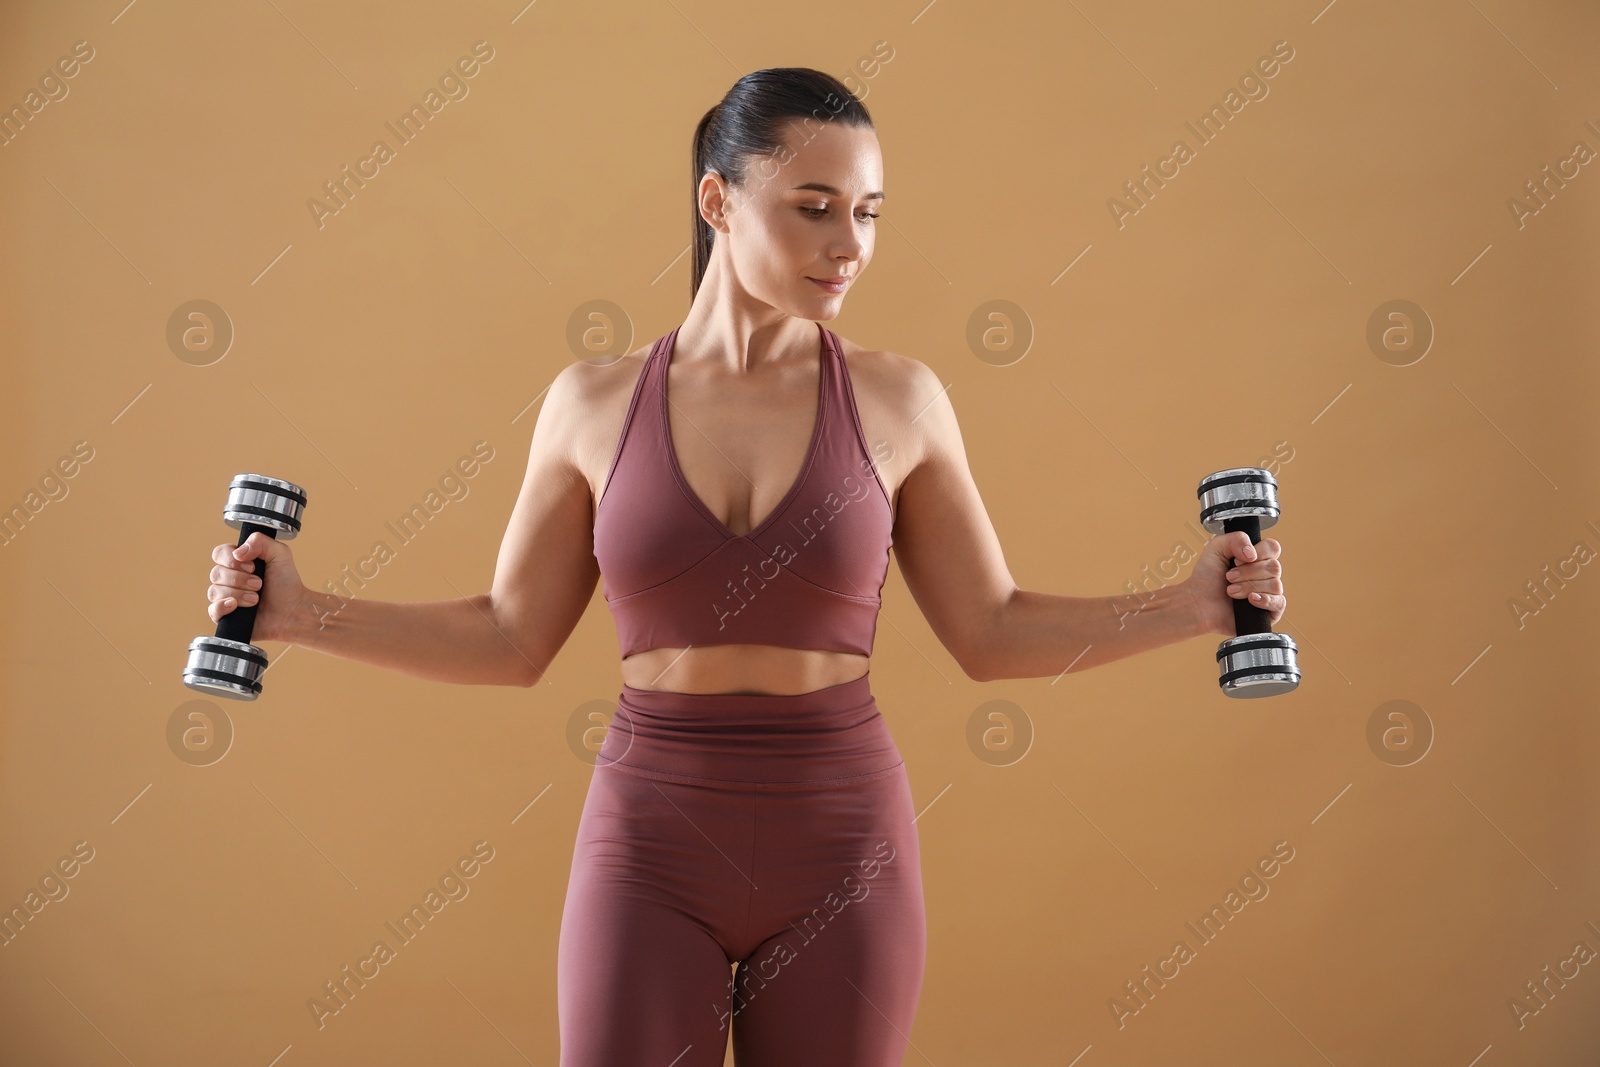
x=830, y=735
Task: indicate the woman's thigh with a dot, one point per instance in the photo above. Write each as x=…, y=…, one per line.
x=659, y=882
x=833, y=958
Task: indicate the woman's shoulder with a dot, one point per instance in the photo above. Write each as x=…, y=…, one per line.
x=586, y=403
x=892, y=390
x=590, y=386
x=890, y=376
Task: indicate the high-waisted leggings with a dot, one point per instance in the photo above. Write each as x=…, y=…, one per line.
x=773, y=833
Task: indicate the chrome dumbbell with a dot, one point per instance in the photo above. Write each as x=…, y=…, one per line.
x=1258, y=662
x=228, y=665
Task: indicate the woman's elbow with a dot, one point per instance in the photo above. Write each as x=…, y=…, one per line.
x=524, y=657
x=984, y=648
x=979, y=670
x=977, y=661
x=528, y=668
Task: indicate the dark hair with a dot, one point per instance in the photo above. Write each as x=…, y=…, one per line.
x=748, y=122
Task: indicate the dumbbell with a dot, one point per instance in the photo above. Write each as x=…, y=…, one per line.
x=1258, y=662
x=228, y=665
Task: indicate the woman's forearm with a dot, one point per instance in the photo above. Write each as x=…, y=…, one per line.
x=1041, y=634
x=442, y=640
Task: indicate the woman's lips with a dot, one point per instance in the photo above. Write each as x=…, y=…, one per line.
x=835, y=286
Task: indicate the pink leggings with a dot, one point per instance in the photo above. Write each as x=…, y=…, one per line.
x=771, y=832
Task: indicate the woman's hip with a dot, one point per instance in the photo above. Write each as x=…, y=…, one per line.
x=834, y=736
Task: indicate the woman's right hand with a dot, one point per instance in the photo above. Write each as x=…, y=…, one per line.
x=234, y=584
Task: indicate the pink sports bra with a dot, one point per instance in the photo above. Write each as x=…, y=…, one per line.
x=809, y=575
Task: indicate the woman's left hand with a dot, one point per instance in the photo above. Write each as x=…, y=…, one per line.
x=1217, y=581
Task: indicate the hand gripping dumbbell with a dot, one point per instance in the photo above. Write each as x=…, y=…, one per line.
x=1258, y=662
x=228, y=665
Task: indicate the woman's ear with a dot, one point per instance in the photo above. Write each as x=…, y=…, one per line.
x=716, y=201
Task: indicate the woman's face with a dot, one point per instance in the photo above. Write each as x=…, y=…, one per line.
x=805, y=212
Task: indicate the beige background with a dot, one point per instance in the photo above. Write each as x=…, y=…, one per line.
x=1224, y=324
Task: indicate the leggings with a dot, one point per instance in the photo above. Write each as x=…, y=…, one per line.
x=745, y=865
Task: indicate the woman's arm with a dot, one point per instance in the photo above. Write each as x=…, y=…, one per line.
x=954, y=567
x=544, y=579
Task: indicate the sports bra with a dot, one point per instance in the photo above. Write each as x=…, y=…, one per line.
x=809, y=575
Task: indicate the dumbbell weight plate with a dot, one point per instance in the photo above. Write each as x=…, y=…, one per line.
x=225, y=668
x=1258, y=665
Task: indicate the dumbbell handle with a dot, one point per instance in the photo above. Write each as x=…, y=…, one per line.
x=1247, y=618
x=238, y=624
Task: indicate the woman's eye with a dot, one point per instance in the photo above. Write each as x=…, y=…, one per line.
x=818, y=212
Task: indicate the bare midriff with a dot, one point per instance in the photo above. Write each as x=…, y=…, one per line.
x=765, y=669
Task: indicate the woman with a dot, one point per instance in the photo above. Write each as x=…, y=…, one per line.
x=749, y=811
